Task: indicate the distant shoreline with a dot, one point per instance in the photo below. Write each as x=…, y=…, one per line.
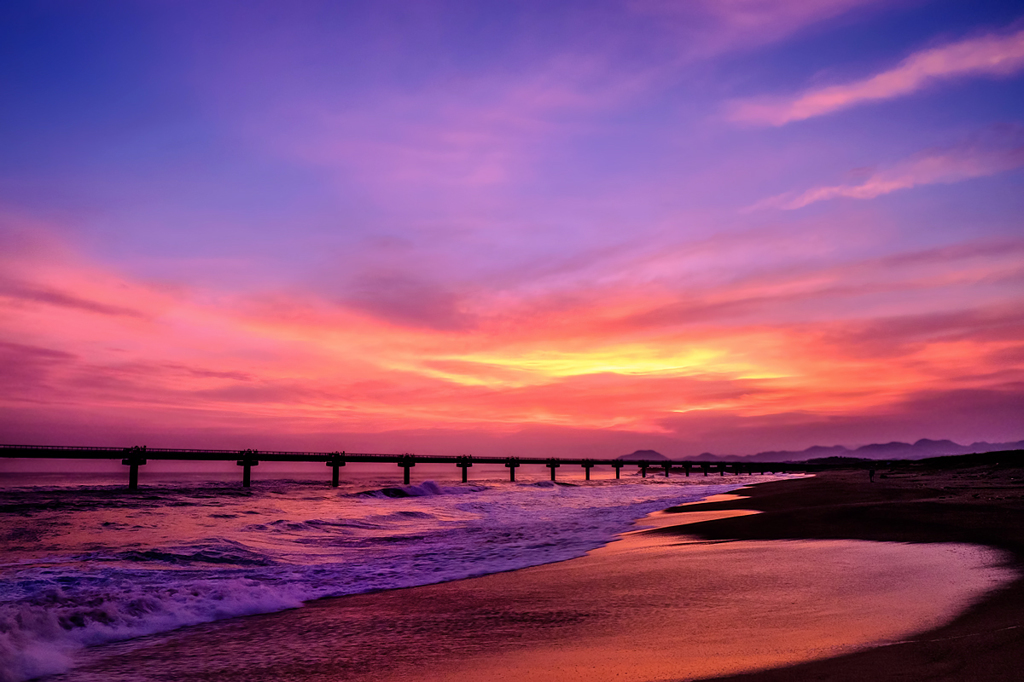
x=981, y=504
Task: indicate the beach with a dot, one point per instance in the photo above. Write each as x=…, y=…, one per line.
x=792, y=591
x=979, y=500
x=87, y=564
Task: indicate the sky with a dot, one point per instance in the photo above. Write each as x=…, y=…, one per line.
x=523, y=228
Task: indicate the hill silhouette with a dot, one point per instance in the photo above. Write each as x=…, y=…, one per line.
x=649, y=455
x=920, y=449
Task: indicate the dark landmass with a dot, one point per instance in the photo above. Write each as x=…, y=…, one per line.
x=642, y=455
x=922, y=449
x=974, y=499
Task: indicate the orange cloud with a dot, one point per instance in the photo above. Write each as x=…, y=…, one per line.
x=823, y=341
x=988, y=55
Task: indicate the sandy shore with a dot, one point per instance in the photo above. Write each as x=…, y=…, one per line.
x=978, y=504
x=661, y=605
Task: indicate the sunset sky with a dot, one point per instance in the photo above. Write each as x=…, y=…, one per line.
x=531, y=228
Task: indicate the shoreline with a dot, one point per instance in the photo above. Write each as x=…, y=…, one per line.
x=497, y=533
x=607, y=605
x=981, y=504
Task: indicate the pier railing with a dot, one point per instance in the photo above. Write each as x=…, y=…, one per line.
x=135, y=456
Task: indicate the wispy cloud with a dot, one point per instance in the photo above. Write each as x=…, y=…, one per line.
x=20, y=290
x=825, y=339
x=716, y=26
x=994, y=54
x=467, y=132
x=937, y=167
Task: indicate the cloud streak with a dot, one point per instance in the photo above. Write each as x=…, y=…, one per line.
x=824, y=340
x=718, y=26
x=19, y=290
x=957, y=164
x=366, y=218
x=995, y=54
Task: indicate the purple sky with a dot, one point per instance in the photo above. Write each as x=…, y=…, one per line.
x=540, y=227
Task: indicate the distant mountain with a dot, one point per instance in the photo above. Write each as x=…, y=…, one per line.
x=813, y=452
x=649, y=455
x=896, y=450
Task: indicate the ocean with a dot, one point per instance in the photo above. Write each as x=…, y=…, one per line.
x=86, y=563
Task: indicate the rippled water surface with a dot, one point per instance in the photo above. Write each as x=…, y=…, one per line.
x=91, y=563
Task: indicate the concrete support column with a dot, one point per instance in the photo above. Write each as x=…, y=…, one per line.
x=464, y=463
x=587, y=465
x=337, y=460
x=643, y=468
x=512, y=463
x=666, y=467
x=247, y=462
x=618, y=469
x=406, y=462
x=552, y=464
x=134, y=460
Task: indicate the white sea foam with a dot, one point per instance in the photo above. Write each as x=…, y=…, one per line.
x=119, y=569
x=39, y=636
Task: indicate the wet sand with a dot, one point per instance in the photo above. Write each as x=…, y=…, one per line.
x=657, y=605
x=978, y=499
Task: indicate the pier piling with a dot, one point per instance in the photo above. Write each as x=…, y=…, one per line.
x=512, y=463
x=133, y=461
x=247, y=462
x=464, y=463
x=407, y=462
x=336, y=460
x=136, y=456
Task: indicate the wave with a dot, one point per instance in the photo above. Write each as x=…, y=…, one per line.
x=425, y=489
x=226, y=552
x=118, y=584
x=39, y=636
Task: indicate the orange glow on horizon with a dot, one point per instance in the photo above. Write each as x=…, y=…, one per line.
x=301, y=364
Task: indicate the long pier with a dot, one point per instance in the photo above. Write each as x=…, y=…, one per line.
x=138, y=455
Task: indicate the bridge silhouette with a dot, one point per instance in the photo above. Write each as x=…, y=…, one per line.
x=136, y=456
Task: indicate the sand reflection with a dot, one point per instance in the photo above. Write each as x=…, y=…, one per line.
x=675, y=607
x=651, y=606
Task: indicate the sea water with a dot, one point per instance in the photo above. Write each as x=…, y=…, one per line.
x=86, y=563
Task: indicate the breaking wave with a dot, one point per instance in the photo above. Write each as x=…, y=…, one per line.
x=114, y=569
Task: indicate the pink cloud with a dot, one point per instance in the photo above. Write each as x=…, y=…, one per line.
x=464, y=136
x=948, y=166
x=625, y=354
x=716, y=26
x=994, y=54
x=25, y=292
x=456, y=139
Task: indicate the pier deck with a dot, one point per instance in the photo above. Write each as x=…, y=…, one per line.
x=136, y=456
